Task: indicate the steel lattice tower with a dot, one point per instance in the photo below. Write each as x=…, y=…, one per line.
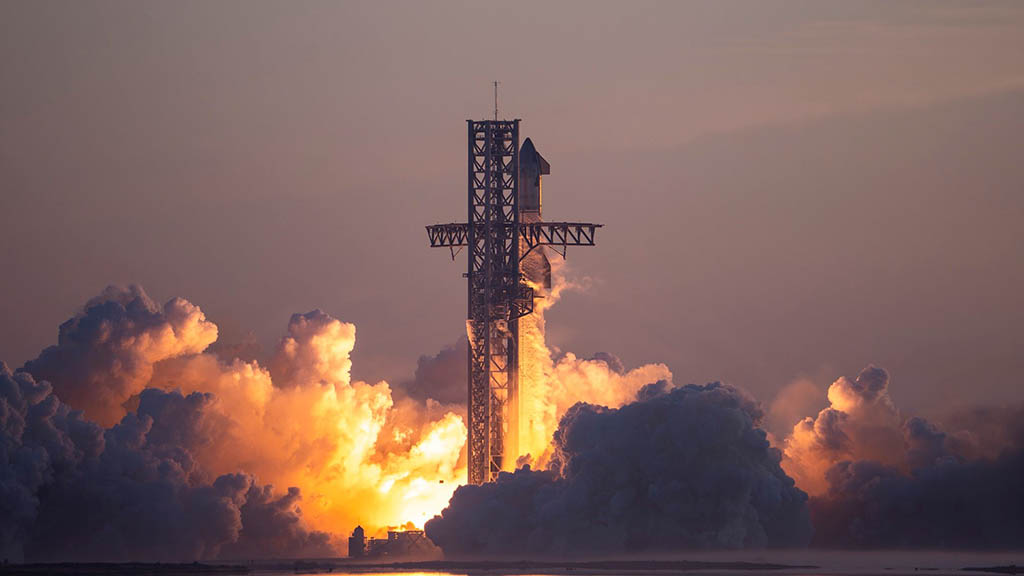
x=498, y=296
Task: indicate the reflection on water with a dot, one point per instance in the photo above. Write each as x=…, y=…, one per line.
x=732, y=563
x=817, y=571
x=573, y=572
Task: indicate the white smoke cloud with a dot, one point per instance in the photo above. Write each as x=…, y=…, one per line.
x=302, y=423
x=105, y=354
x=358, y=452
x=74, y=491
x=880, y=479
x=131, y=416
x=860, y=423
x=682, y=468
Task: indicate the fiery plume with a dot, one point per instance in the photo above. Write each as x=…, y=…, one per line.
x=350, y=452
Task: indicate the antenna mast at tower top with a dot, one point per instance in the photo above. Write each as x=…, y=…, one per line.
x=495, y=100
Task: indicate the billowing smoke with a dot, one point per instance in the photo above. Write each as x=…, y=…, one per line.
x=860, y=423
x=74, y=491
x=127, y=440
x=134, y=438
x=105, y=355
x=305, y=423
x=881, y=480
x=678, y=468
x=690, y=468
x=131, y=382
x=949, y=504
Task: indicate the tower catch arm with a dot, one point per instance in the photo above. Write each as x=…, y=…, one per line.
x=557, y=234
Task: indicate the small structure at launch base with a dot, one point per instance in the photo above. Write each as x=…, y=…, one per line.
x=398, y=544
x=357, y=543
x=505, y=237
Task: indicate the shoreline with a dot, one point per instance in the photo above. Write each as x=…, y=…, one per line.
x=563, y=566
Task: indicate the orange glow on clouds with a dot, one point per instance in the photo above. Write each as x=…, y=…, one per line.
x=359, y=453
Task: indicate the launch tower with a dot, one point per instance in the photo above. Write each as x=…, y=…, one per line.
x=503, y=228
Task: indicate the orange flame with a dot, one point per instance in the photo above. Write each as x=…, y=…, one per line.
x=359, y=454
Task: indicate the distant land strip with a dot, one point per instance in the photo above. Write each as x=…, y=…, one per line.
x=1011, y=569
x=555, y=567
x=119, y=569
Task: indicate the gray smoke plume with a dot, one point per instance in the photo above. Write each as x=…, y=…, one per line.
x=951, y=504
x=74, y=491
x=157, y=454
x=682, y=468
x=883, y=480
x=105, y=354
x=677, y=468
x=950, y=498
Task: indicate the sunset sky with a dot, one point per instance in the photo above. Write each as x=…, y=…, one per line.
x=224, y=336
x=789, y=189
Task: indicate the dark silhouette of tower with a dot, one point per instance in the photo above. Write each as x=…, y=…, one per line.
x=503, y=228
x=357, y=543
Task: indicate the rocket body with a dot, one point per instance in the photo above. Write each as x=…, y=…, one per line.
x=532, y=167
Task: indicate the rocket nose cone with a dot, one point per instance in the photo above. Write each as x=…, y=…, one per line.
x=528, y=154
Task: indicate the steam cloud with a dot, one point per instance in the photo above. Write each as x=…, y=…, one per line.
x=689, y=468
x=884, y=481
x=72, y=490
x=106, y=355
x=127, y=440
x=135, y=438
x=682, y=468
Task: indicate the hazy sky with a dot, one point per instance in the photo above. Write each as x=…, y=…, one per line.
x=790, y=189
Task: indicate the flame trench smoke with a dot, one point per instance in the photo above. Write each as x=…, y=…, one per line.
x=879, y=479
x=678, y=468
x=126, y=440
x=691, y=467
x=133, y=439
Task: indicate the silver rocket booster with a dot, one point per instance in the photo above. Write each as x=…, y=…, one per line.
x=532, y=166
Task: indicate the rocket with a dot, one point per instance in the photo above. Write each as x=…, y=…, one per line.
x=532, y=167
